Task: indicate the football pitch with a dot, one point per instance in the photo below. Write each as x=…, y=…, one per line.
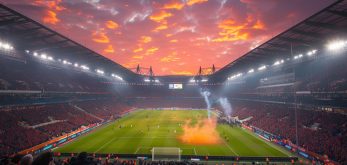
x=141, y=130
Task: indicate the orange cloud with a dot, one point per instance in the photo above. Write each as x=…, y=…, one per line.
x=160, y=16
x=145, y=39
x=170, y=58
x=51, y=17
x=151, y=50
x=100, y=37
x=173, y=41
x=174, y=5
x=137, y=57
x=259, y=25
x=160, y=27
x=111, y=25
x=109, y=49
x=53, y=4
x=138, y=50
x=182, y=73
x=192, y=2
x=232, y=31
x=131, y=64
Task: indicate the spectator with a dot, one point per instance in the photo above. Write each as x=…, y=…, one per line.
x=26, y=160
x=45, y=158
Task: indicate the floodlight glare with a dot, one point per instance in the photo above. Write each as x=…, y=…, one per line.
x=204, y=80
x=336, y=45
x=262, y=67
x=43, y=56
x=312, y=52
x=251, y=71
x=100, y=71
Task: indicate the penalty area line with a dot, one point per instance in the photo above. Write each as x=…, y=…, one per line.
x=106, y=144
x=231, y=149
x=138, y=148
x=267, y=143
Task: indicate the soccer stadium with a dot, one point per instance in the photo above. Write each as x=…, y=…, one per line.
x=176, y=82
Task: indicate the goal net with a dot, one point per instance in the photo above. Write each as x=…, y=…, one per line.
x=166, y=153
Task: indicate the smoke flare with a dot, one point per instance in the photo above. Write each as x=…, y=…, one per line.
x=206, y=94
x=202, y=133
x=225, y=104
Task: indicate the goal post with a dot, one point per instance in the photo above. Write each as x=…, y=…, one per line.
x=166, y=153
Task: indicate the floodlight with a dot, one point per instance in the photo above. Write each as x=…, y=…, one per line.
x=278, y=62
x=100, y=71
x=312, y=52
x=251, y=71
x=262, y=67
x=336, y=45
x=44, y=56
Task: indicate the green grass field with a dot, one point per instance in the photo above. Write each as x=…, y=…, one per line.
x=140, y=133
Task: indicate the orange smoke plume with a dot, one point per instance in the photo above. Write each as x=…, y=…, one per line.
x=202, y=133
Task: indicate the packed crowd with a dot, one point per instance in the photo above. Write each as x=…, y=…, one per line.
x=318, y=131
x=168, y=102
x=48, y=158
x=22, y=127
x=104, y=109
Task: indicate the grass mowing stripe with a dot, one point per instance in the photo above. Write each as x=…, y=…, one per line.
x=266, y=142
x=142, y=130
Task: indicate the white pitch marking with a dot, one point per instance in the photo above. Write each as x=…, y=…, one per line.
x=106, y=144
x=138, y=148
x=266, y=142
x=231, y=148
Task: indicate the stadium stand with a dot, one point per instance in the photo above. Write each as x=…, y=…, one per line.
x=25, y=126
x=42, y=100
x=314, y=126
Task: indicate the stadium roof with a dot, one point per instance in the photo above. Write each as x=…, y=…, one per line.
x=27, y=34
x=312, y=33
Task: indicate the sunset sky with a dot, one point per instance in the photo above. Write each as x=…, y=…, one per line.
x=172, y=36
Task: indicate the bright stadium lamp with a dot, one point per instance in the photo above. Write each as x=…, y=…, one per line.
x=35, y=54
x=278, y=62
x=84, y=67
x=336, y=45
x=50, y=58
x=312, y=52
x=44, y=56
x=100, y=71
x=262, y=67
x=251, y=71
x=298, y=56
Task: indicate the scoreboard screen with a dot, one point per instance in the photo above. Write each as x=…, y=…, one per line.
x=175, y=86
